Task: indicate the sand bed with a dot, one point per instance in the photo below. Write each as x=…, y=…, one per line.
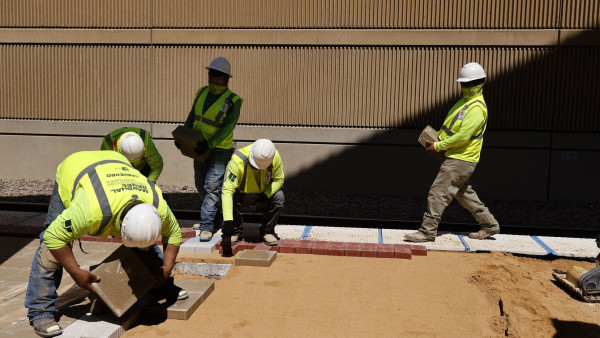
x=444, y=294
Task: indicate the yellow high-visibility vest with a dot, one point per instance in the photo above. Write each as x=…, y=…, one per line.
x=212, y=120
x=110, y=183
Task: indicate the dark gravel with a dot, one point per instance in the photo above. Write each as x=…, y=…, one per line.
x=530, y=213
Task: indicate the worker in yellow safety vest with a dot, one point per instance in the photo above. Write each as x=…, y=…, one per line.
x=98, y=193
x=137, y=145
x=215, y=113
x=461, y=139
x=255, y=170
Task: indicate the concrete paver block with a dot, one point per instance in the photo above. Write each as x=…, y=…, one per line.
x=320, y=248
x=124, y=279
x=243, y=245
x=385, y=251
x=193, y=245
x=418, y=250
x=255, y=258
x=105, y=326
x=198, y=291
x=263, y=246
x=402, y=251
x=353, y=249
x=304, y=247
x=368, y=250
x=202, y=269
x=9, y=290
x=14, y=274
x=287, y=245
x=336, y=249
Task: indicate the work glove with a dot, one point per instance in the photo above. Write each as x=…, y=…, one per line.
x=228, y=228
x=260, y=203
x=177, y=145
x=201, y=147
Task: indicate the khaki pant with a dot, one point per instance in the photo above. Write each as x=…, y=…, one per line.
x=453, y=182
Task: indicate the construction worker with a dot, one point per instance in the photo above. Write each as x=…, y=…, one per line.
x=255, y=169
x=137, y=145
x=461, y=138
x=100, y=194
x=215, y=113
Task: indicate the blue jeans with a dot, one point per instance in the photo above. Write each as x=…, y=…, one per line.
x=45, y=274
x=208, y=177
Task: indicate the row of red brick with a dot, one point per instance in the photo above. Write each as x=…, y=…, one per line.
x=404, y=251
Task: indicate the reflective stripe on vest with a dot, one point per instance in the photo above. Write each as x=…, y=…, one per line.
x=448, y=130
x=107, y=212
x=244, y=159
x=220, y=114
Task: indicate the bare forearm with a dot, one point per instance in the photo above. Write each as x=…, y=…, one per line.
x=66, y=258
x=170, y=254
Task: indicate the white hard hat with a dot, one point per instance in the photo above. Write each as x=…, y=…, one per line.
x=471, y=72
x=262, y=153
x=131, y=145
x=141, y=226
x=221, y=64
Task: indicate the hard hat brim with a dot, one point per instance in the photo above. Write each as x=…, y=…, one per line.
x=464, y=79
x=218, y=70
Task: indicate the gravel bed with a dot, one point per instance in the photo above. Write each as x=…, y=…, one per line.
x=530, y=213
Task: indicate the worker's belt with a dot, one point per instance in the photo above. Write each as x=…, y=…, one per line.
x=479, y=136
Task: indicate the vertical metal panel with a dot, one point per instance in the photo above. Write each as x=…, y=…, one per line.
x=433, y=14
x=361, y=87
x=75, y=82
x=580, y=14
x=577, y=108
x=75, y=13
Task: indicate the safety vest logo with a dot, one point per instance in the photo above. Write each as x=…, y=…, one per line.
x=461, y=114
x=267, y=177
x=224, y=108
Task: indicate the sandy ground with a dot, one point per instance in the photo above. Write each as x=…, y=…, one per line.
x=444, y=294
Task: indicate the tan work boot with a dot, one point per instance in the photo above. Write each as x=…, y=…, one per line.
x=418, y=237
x=235, y=239
x=270, y=239
x=196, y=226
x=205, y=236
x=485, y=233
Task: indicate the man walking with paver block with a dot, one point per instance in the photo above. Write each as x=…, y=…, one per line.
x=253, y=170
x=97, y=193
x=215, y=113
x=461, y=139
x=137, y=145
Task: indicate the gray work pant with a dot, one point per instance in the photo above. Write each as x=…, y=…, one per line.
x=271, y=209
x=453, y=182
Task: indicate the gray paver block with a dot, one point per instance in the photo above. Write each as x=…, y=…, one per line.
x=202, y=269
x=193, y=245
x=255, y=258
x=13, y=275
x=124, y=279
x=9, y=290
x=198, y=291
x=105, y=326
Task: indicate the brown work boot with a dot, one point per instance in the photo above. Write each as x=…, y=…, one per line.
x=269, y=239
x=205, y=236
x=418, y=237
x=46, y=327
x=485, y=233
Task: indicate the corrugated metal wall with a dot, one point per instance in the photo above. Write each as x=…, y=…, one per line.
x=282, y=84
x=396, y=14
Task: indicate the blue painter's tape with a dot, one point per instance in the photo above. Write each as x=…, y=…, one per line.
x=27, y=218
x=307, y=230
x=462, y=239
x=380, y=236
x=544, y=245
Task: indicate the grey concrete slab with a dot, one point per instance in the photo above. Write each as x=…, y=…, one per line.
x=13, y=274
x=124, y=279
x=255, y=258
x=105, y=326
x=205, y=270
x=9, y=290
x=193, y=245
x=198, y=291
x=21, y=329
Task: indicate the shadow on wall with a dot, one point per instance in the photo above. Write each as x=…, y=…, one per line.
x=511, y=169
x=566, y=329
